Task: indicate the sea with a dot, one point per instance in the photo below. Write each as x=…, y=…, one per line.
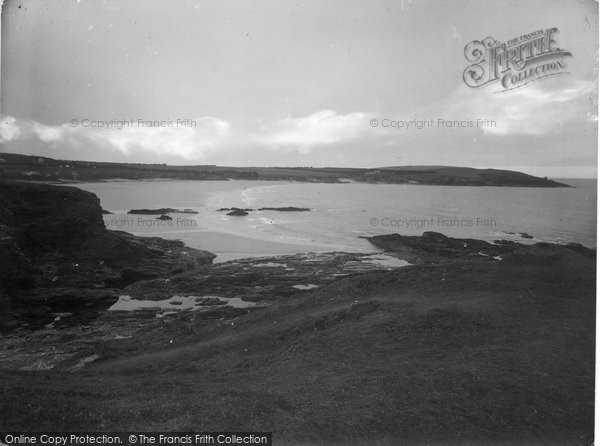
x=341, y=215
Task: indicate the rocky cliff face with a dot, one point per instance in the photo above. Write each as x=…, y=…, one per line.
x=55, y=252
x=43, y=218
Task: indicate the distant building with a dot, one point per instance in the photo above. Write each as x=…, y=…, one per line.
x=40, y=160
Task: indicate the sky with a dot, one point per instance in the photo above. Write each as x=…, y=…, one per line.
x=293, y=83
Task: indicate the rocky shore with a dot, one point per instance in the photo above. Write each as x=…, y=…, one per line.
x=56, y=254
x=435, y=247
x=434, y=340
x=62, y=270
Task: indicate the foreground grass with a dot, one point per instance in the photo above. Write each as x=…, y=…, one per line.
x=458, y=353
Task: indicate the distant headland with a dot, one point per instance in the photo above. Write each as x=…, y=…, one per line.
x=37, y=168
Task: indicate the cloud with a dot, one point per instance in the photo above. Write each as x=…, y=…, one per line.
x=542, y=117
x=194, y=141
x=9, y=129
x=538, y=109
x=188, y=142
x=48, y=133
x=12, y=129
x=321, y=128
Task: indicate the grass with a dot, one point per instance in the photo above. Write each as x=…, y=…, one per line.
x=458, y=353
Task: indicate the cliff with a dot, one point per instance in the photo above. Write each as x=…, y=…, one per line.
x=56, y=253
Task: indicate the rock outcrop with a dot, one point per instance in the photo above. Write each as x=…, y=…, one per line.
x=237, y=213
x=55, y=252
x=240, y=212
x=285, y=209
x=436, y=247
x=161, y=211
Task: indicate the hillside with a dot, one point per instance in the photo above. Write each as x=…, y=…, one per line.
x=455, y=352
x=35, y=168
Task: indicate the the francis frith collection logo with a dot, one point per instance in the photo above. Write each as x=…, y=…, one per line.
x=516, y=62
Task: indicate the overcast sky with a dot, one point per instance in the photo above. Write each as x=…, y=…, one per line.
x=294, y=83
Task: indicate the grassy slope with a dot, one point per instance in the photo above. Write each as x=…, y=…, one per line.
x=445, y=353
x=27, y=167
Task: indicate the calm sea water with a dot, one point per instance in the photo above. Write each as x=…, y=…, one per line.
x=341, y=213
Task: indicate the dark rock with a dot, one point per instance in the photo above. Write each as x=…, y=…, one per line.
x=161, y=211
x=164, y=217
x=237, y=213
x=525, y=235
x=436, y=247
x=104, y=212
x=286, y=209
x=152, y=211
x=256, y=279
x=280, y=209
x=235, y=209
x=42, y=217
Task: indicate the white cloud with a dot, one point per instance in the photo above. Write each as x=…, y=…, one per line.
x=187, y=142
x=537, y=109
x=48, y=133
x=199, y=141
x=9, y=129
x=321, y=128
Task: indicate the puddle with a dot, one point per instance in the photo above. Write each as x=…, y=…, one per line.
x=177, y=303
x=310, y=286
x=269, y=265
x=385, y=260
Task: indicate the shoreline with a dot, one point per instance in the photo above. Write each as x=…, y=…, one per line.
x=226, y=245
x=231, y=246
x=346, y=224
x=291, y=180
x=368, y=339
